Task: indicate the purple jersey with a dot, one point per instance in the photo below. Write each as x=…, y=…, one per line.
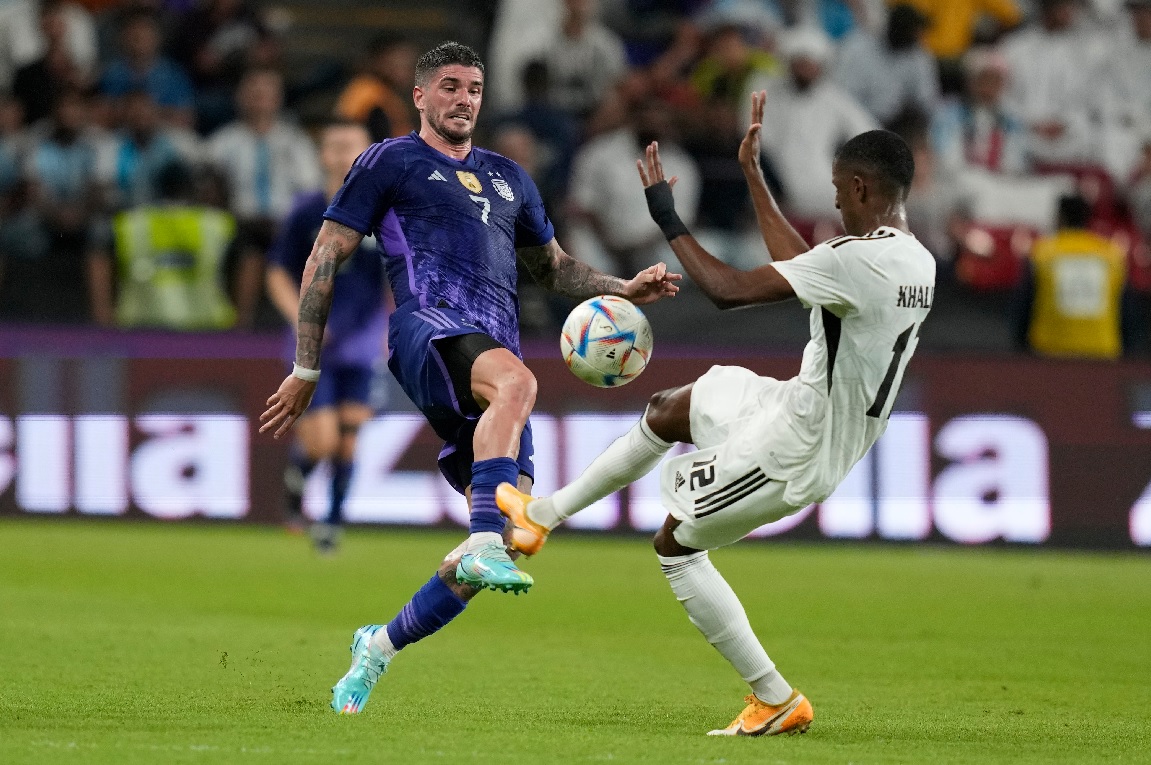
x=357, y=322
x=448, y=229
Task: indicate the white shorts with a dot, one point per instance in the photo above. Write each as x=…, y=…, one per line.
x=720, y=493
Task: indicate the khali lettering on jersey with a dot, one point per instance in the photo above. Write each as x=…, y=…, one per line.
x=915, y=296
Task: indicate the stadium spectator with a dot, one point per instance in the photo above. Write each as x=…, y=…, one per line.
x=892, y=75
x=142, y=67
x=36, y=84
x=165, y=266
x=22, y=39
x=129, y=163
x=974, y=130
x=711, y=109
x=609, y=227
x=1128, y=90
x=1072, y=296
x=936, y=209
x=215, y=42
x=44, y=271
x=807, y=118
x=265, y=159
x=730, y=70
x=759, y=20
x=837, y=18
x=951, y=28
x=1055, y=67
x=555, y=132
x=381, y=97
x=519, y=144
x=585, y=59
x=521, y=30
x=1140, y=188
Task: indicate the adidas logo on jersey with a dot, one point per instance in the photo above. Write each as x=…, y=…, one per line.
x=435, y=176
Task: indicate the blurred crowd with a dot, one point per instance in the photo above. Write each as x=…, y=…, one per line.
x=1018, y=111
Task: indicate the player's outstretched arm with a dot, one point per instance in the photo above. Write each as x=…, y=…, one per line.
x=782, y=240
x=561, y=273
x=335, y=243
x=724, y=285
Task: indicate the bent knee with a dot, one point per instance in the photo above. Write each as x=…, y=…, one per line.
x=517, y=388
x=669, y=414
x=659, y=401
x=667, y=545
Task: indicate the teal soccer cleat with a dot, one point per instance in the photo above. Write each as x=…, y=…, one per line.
x=491, y=567
x=351, y=693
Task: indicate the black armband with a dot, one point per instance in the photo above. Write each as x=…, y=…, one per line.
x=661, y=207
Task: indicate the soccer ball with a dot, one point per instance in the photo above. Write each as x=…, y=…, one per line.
x=606, y=341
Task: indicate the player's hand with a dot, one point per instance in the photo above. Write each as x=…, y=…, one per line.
x=651, y=284
x=286, y=405
x=749, y=146
x=650, y=168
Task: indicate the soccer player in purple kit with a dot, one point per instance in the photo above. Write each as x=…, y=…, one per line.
x=450, y=221
x=354, y=336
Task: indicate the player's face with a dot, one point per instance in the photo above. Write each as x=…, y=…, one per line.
x=451, y=101
x=340, y=146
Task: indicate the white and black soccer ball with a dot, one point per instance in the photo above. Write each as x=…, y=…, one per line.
x=606, y=341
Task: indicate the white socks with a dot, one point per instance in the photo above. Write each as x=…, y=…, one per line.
x=482, y=539
x=384, y=643
x=630, y=457
x=715, y=610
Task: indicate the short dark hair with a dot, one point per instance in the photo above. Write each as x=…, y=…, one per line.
x=446, y=54
x=1074, y=212
x=884, y=156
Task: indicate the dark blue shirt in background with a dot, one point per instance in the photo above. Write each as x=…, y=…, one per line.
x=358, y=320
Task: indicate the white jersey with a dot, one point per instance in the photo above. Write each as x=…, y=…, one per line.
x=868, y=297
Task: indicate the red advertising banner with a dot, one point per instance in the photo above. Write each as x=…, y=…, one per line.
x=979, y=450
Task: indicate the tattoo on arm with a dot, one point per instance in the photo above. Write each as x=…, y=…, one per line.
x=559, y=272
x=333, y=246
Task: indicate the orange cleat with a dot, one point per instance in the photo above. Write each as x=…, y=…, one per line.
x=762, y=719
x=527, y=536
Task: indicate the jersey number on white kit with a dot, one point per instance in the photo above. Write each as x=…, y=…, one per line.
x=898, y=352
x=483, y=203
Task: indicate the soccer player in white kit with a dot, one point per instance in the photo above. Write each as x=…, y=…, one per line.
x=768, y=448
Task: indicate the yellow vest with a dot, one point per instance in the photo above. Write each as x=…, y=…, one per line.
x=169, y=263
x=1079, y=279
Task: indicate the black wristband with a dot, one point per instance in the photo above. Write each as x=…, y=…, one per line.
x=661, y=206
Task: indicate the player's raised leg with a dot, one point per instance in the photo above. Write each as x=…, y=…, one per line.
x=627, y=459
x=506, y=391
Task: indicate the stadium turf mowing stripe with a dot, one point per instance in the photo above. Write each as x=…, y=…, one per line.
x=145, y=643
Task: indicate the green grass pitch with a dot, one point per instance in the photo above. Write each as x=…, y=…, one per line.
x=151, y=643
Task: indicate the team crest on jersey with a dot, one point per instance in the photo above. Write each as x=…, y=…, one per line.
x=503, y=189
x=470, y=181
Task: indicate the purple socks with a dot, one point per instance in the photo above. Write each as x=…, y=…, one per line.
x=486, y=476
x=433, y=606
